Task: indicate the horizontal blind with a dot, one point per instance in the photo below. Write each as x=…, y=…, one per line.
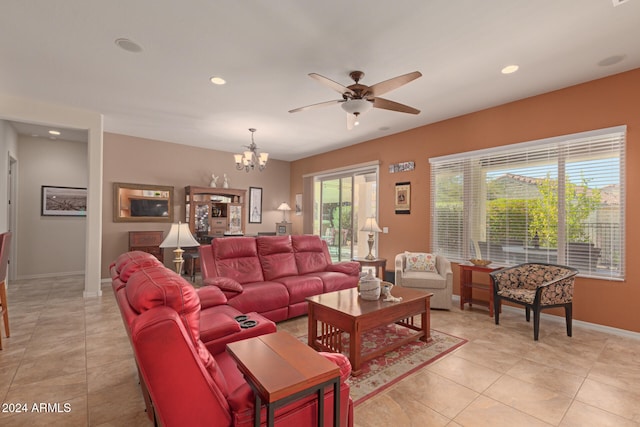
x=559, y=200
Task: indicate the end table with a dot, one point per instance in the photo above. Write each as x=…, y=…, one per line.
x=467, y=285
x=377, y=263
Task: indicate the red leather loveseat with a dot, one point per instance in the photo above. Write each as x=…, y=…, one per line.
x=272, y=275
x=187, y=383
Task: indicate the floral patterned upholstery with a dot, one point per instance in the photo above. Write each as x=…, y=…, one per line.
x=536, y=286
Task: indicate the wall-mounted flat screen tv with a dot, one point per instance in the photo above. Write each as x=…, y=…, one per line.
x=149, y=207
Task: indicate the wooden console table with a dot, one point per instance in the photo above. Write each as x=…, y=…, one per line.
x=147, y=241
x=467, y=285
x=281, y=369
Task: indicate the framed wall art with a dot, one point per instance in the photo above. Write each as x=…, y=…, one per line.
x=255, y=205
x=63, y=201
x=403, y=198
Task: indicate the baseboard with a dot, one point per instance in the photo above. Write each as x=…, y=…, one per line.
x=50, y=275
x=593, y=326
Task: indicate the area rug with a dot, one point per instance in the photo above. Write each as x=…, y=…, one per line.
x=383, y=371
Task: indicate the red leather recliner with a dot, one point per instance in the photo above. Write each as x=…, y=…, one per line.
x=188, y=384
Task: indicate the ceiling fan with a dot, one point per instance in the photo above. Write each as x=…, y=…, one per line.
x=358, y=98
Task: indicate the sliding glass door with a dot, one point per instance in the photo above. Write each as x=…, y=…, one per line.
x=342, y=202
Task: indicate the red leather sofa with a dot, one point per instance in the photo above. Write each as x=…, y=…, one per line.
x=272, y=275
x=187, y=383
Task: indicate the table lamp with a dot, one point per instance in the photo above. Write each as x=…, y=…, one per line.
x=370, y=226
x=179, y=236
x=284, y=207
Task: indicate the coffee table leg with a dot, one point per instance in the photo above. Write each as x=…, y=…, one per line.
x=312, y=325
x=426, y=321
x=258, y=405
x=354, y=351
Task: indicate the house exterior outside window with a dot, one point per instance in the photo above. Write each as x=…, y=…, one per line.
x=558, y=200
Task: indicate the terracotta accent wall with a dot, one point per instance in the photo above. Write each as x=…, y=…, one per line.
x=593, y=105
x=143, y=161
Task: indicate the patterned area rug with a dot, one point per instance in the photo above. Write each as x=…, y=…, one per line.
x=384, y=371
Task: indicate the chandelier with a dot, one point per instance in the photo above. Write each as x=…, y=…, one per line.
x=251, y=159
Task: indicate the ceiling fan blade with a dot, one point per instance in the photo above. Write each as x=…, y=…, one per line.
x=320, y=104
x=351, y=121
x=330, y=83
x=393, y=106
x=394, y=83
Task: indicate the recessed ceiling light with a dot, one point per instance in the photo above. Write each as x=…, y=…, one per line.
x=54, y=133
x=128, y=45
x=612, y=60
x=510, y=69
x=217, y=80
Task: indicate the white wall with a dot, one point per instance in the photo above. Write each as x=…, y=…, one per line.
x=49, y=245
x=32, y=111
x=8, y=144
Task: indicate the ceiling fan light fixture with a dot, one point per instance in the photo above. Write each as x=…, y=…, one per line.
x=357, y=106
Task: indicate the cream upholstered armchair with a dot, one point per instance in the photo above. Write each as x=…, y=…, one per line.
x=429, y=272
x=536, y=286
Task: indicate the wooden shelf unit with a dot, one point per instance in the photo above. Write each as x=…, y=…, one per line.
x=214, y=212
x=467, y=285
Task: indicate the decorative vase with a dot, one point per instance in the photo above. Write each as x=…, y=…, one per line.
x=370, y=287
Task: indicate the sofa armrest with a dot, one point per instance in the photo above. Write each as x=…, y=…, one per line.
x=211, y=296
x=350, y=268
x=343, y=363
x=226, y=284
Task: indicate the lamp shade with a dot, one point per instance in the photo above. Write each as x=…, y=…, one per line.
x=356, y=106
x=179, y=237
x=284, y=206
x=371, y=225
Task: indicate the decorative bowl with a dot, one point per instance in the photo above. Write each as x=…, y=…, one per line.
x=480, y=262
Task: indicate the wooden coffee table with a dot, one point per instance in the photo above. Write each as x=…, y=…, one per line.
x=333, y=313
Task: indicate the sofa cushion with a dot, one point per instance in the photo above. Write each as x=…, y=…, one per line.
x=237, y=258
x=127, y=257
x=333, y=281
x=309, y=254
x=301, y=287
x=419, y=261
x=136, y=264
x=276, y=257
x=423, y=279
x=158, y=286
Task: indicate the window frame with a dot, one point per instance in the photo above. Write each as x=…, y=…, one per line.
x=461, y=212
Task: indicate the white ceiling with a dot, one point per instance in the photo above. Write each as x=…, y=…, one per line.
x=63, y=52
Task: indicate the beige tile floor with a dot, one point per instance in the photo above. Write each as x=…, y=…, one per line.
x=72, y=355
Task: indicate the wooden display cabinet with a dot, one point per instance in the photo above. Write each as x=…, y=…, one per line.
x=214, y=212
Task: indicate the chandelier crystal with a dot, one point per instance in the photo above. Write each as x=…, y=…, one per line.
x=251, y=159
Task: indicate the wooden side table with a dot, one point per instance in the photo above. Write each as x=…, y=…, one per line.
x=467, y=285
x=378, y=263
x=281, y=369
x=147, y=241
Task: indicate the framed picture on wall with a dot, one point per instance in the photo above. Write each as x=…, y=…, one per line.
x=403, y=198
x=255, y=205
x=63, y=201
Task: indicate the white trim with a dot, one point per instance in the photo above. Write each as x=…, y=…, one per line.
x=527, y=144
x=353, y=168
x=49, y=275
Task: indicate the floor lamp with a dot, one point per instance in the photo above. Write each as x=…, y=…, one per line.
x=179, y=237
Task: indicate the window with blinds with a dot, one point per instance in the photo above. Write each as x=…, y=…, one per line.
x=558, y=200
